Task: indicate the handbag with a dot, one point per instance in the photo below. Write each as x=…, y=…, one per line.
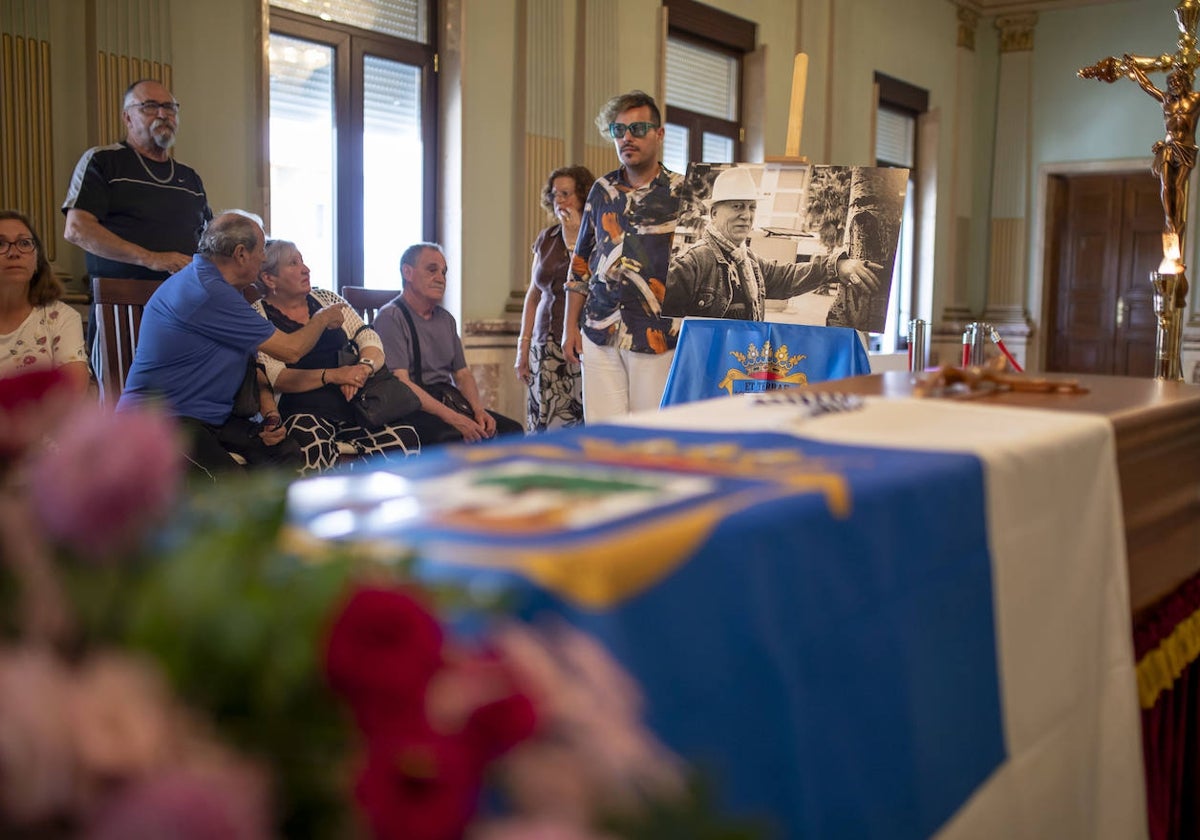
x=449, y=396
x=383, y=399
x=245, y=401
x=445, y=393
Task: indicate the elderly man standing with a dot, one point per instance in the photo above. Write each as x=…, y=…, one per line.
x=422, y=347
x=197, y=337
x=619, y=268
x=135, y=210
x=720, y=277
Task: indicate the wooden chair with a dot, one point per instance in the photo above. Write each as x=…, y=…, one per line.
x=119, y=303
x=367, y=302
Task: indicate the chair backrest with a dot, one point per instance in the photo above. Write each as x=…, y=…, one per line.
x=119, y=303
x=367, y=302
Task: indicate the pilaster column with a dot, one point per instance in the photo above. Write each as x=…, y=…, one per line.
x=1006, y=285
x=952, y=295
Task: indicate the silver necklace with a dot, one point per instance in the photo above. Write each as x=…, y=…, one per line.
x=170, y=177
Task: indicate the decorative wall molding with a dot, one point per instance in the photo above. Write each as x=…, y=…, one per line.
x=1016, y=32
x=968, y=22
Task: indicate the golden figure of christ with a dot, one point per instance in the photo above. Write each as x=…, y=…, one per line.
x=1175, y=154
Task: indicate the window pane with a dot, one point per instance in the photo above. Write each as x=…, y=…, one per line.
x=400, y=18
x=895, y=137
x=675, y=147
x=302, y=150
x=702, y=80
x=393, y=168
x=717, y=148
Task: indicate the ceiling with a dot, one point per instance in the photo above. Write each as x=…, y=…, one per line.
x=1005, y=7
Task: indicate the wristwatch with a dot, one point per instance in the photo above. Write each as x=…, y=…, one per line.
x=365, y=361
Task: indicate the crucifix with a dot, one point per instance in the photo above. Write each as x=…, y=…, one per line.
x=1174, y=159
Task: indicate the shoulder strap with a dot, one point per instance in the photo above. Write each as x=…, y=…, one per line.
x=414, y=367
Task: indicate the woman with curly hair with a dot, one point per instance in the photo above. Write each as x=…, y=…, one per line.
x=555, y=399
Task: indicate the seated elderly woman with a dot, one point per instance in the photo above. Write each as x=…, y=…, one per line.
x=315, y=392
x=37, y=330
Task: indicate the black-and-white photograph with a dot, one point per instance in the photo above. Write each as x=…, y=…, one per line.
x=792, y=243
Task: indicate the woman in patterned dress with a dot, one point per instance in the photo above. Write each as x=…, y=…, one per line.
x=37, y=330
x=315, y=392
x=554, y=384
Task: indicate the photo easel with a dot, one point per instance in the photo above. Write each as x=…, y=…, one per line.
x=795, y=113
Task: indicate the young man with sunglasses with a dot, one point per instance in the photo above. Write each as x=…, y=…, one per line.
x=614, y=325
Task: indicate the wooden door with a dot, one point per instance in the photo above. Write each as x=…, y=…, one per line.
x=1110, y=231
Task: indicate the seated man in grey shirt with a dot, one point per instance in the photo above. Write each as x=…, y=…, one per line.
x=422, y=347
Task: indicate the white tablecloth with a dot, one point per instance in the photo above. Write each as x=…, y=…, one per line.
x=1069, y=698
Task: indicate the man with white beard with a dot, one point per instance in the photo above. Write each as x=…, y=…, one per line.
x=136, y=211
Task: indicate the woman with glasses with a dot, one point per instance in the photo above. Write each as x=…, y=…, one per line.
x=555, y=396
x=37, y=330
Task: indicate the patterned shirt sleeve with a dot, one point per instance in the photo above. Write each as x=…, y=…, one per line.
x=66, y=334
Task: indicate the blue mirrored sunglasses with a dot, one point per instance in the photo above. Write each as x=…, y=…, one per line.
x=637, y=129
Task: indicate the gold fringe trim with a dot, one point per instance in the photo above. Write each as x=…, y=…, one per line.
x=1158, y=670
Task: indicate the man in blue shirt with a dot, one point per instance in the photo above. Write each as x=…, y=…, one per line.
x=197, y=337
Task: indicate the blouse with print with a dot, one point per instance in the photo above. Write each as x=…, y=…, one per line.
x=52, y=336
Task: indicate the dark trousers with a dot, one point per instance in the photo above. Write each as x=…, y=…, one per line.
x=433, y=430
x=209, y=447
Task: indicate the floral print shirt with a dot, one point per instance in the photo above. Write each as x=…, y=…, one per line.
x=50, y=337
x=620, y=261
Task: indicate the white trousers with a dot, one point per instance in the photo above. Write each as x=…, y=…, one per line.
x=618, y=382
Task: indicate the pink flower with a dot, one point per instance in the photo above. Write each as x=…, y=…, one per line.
x=122, y=717
x=37, y=762
x=107, y=479
x=601, y=755
x=184, y=805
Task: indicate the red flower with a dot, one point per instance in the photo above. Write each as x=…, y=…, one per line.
x=382, y=650
x=32, y=403
x=419, y=787
x=496, y=728
x=28, y=387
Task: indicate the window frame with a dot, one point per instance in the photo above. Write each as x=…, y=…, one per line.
x=350, y=46
x=711, y=29
x=907, y=99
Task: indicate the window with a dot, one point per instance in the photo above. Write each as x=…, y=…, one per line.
x=703, y=84
x=352, y=135
x=899, y=106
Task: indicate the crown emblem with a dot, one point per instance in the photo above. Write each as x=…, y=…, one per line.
x=765, y=368
x=765, y=364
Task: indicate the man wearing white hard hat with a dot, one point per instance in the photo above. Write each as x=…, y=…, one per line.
x=720, y=277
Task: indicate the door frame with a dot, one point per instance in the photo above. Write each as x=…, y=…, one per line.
x=1044, y=257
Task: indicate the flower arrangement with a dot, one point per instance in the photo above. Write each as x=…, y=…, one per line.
x=172, y=665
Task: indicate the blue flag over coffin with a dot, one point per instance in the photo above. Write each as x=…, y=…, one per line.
x=805, y=626
x=718, y=356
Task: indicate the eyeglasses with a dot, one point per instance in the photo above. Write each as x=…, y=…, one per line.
x=23, y=246
x=637, y=129
x=149, y=108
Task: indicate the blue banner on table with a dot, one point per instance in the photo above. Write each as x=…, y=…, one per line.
x=717, y=357
x=805, y=627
